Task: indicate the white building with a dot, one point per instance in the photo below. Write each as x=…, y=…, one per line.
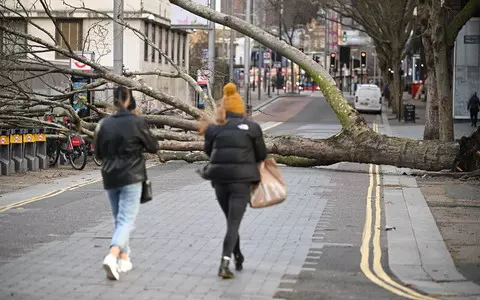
x=91, y=30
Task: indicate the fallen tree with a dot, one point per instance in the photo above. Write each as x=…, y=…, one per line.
x=355, y=143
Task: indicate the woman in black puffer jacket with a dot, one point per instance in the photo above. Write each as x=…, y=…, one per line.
x=235, y=147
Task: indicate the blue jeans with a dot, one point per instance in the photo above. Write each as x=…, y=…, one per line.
x=125, y=202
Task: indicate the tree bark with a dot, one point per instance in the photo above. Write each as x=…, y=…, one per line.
x=396, y=94
x=360, y=146
x=431, y=131
x=443, y=76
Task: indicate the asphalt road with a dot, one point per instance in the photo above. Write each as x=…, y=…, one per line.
x=337, y=272
x=330, y=271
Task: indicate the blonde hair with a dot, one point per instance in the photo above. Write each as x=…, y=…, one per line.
x=220, y=119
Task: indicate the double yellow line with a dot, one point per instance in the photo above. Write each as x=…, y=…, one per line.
x=374, y=209
x=47, y=195
x=54, y=193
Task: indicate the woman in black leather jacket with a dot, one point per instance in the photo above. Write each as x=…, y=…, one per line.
x=235, y=147
x=120, y=141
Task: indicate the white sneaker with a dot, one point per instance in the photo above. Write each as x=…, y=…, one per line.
x=124, y=265
x=110, y=267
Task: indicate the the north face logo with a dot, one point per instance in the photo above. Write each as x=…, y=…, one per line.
x=243, y=127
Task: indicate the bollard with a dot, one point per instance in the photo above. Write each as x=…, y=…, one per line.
x=29, y=149
x=7, y=166
x=17, y=154
x=41, y=148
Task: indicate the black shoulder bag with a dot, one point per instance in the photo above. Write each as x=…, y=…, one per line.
x=146, y=192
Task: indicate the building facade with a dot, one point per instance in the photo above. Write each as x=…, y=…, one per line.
x=91, y=29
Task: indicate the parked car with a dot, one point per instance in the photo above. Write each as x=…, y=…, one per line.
x=368, y=97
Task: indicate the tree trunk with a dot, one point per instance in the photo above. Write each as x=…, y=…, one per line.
x=442, y=74
x=444, y=92
x=360, y=146
x=432, y=126
x=395, y=94
x=431, y=131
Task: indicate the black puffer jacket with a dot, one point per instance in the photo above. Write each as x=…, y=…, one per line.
x=120, y=141
x=234, y=150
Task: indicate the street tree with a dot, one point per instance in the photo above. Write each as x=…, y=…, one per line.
x=20, y=105
x=441, y=23
x=389, y=23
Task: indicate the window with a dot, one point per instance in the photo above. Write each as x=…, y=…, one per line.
x=145, y=43
x=179, y=60
x=154, y=28
x=72, y=32
x=167, y=42
x=13, y=44
x=185, y=39
x=160, y=43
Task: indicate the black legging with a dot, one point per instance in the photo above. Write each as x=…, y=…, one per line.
x=474, y=117
x=233, y=199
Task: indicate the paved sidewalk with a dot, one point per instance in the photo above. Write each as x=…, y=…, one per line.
x=415, y=130
x=176, y=246
x=417, y=254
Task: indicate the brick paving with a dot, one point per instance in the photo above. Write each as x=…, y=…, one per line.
x=176, y=247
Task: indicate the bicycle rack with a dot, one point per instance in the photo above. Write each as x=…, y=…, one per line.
x=41, y=148
x=7, y=166
x=17, y=151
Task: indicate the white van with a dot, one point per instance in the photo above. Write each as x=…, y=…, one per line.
x=368, y=97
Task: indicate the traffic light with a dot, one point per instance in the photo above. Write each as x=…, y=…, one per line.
x=332, y=60
x=363, y=59
x=344, y=36
x=345, y=56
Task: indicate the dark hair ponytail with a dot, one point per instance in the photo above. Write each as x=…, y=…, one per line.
x=120, y=95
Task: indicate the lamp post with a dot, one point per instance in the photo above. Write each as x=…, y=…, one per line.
x=118, y=37
x=247, y=60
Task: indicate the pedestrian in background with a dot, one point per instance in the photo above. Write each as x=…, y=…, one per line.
x=474, y=107
x=120, y=141
x=235, y=146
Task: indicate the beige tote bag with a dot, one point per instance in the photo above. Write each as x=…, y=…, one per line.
x=272, y=189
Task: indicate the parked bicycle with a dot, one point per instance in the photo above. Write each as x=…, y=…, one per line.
x=73, y=150
x=91, y=152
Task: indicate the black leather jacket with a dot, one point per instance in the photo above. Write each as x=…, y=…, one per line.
x=120, y=141
x=234, y=150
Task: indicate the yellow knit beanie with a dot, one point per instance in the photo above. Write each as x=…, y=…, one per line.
x=232, y=101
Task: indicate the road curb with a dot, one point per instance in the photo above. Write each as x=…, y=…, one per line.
x=417, y=254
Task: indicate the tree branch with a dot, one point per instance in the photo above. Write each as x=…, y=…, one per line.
x=460, y=19
x=108, y=75
x=348, y=117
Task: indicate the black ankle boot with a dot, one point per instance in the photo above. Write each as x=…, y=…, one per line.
x=239, y=259
x=224, y=271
